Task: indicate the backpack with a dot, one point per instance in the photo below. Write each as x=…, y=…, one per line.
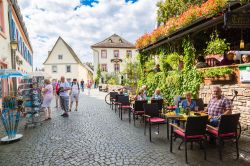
x=57, y=89
x=77, y=85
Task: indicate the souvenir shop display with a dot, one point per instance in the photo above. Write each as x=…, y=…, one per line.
x=32, y=97
x=10, y=117
x=12, y=107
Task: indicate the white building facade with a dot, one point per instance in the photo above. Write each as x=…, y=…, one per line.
x=12, y=29
x=111, y=55
x=62, y=61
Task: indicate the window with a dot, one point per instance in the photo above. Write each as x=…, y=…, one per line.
x=2, y=28
x=104, y=67
x=129, y=54
x=117, y=67
x=116, y=53
x=68, y=68
x=60, y=56
x=104, y=54
x=54, y=69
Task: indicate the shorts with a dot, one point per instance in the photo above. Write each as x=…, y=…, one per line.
x=74, y=97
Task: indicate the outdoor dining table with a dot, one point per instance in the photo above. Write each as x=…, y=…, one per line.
x=182, y=117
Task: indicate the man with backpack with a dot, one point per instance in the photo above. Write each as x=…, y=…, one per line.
x=75, y=91
x=64, y=87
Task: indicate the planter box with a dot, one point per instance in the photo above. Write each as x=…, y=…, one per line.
x=225, y=78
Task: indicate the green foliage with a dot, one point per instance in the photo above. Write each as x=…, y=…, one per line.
x=217, y=72
x=112, y=80
x=98, y=75
x=170, y=8
x=216, y=45
x=173, y=60
x=189, y=54
x=132, y=72
x=170, y=81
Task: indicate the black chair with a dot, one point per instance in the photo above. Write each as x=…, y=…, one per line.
x=227, y=130
x=195, y=131
x=112, y=98
x=124, y=104
x=159, y=103
x=152, y=116
x=115, y=102
x=200, y=104
x=138, y=109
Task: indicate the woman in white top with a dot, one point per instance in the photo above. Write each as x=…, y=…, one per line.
x=75, y=91
x=47, y=98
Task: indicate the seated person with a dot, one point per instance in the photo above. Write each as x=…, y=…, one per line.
x=228, y=59
x=245, y=58
x=188, y=103
x=218, y=106
x=157, y=95
x=140, y=95
x=201, y=62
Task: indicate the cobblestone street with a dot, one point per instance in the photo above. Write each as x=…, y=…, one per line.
x=96, y=136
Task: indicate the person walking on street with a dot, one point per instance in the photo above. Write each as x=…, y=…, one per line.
x=55, y=85
x=89, y=84
x=47, y=98
x=64, y=87
x=74, y=94
x=82, y=85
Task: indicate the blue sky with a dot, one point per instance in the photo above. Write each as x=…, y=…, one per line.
x=90, y=2
x=82, y=23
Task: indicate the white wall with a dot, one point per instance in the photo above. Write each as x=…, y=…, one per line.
x=77, y=70
x=5, y=51
x=110, y=55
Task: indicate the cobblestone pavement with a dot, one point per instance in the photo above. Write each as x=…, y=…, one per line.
x=96, y=136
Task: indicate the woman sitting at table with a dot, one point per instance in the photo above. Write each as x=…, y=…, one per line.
x=157, y=95
x=188, y=103
x=140, y=95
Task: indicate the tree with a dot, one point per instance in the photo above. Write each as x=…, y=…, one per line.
x=171, y=8
x=98, y=75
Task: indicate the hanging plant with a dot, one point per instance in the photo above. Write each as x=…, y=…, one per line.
x=216, y=45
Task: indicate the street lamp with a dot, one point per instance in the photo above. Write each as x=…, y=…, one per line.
x=13, y=46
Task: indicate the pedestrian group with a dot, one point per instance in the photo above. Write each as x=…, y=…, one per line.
x=66, y=94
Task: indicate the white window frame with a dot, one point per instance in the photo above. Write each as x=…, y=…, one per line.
x=54, y=67
x=60, y=56
x=104, y=56
x=69, y=68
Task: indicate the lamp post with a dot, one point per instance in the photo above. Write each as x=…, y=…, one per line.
x=13, y=46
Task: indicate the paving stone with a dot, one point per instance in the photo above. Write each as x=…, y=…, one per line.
x=96, y=136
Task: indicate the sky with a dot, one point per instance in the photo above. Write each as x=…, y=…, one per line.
x=82, y=23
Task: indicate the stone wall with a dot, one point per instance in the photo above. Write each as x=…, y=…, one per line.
x=241, y=103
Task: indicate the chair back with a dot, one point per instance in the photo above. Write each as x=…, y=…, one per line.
x=116, y=97
x=151, y=110
x=199, y=103
x=228, y=123
x=158, y=102
x=112, y=94
x=124, y=100
x=139, y=105
x=196, y=125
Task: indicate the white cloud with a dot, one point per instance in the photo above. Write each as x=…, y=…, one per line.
x=48, y=19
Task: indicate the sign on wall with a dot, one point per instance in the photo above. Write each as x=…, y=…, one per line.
x=237, y=20
x=245, y=73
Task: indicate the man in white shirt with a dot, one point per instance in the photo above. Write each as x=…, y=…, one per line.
x=75, y=91
x=64, y=87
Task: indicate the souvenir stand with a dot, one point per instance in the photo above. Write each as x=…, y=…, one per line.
x=10, y=113
x=30, y=90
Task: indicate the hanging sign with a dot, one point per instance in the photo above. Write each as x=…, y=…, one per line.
x=237, y=20
x=245, y=73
